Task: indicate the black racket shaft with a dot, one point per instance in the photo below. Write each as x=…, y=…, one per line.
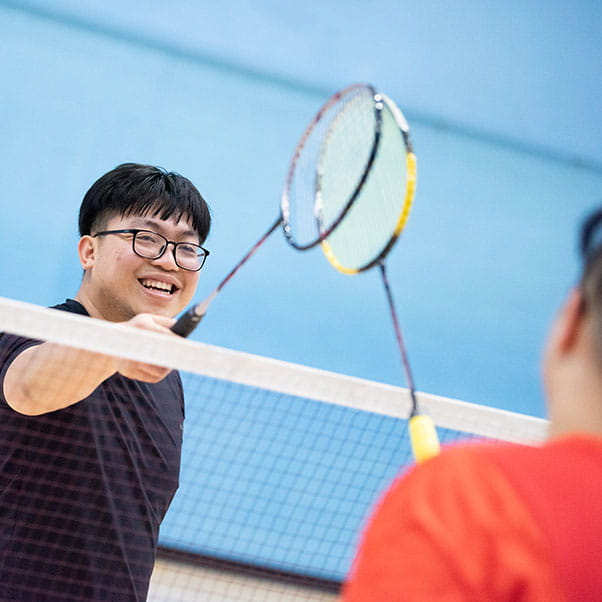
x=402, y=348
x=190, y=319
x=423, y=434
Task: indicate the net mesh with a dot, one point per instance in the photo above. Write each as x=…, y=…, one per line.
x=280, y=465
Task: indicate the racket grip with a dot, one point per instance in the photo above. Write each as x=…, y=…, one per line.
x=423, y=436
x=187, y=322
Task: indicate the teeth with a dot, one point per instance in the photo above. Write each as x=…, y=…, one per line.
x=162, y=286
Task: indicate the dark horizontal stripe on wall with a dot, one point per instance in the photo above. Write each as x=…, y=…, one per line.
x=171, y=48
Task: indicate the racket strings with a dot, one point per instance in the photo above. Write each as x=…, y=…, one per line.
x=331, y=160
x=375, y=218
x=345, y=156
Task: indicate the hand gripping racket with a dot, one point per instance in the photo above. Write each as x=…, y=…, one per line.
x=377, y=216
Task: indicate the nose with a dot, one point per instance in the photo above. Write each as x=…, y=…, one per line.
x=167, y=260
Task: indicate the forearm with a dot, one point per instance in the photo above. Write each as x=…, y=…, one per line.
x=49, y=377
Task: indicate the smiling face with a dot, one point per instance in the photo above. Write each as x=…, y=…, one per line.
x=118, y=284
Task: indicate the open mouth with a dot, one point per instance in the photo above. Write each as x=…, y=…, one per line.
x=158, y=286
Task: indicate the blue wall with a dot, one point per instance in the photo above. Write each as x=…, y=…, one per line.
x=489, y=250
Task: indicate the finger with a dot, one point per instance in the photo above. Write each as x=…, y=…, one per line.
x=165, y=321
x=152, y=322
x=143, y=372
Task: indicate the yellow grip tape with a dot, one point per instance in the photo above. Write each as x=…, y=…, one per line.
x=425, y=443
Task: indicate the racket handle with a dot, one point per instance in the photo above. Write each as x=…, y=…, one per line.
x=187, y=322
x=423, y=436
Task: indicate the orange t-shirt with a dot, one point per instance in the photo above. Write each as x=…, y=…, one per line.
x=488, y=522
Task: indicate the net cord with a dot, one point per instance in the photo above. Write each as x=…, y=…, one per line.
x=41, y=323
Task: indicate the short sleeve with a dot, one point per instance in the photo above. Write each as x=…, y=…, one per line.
x=10, y=347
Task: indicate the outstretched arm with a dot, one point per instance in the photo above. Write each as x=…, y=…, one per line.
x=49, y=377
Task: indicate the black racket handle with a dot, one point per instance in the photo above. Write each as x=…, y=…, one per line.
x=187, y=322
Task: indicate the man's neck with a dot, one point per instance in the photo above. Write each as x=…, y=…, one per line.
x=577, y=406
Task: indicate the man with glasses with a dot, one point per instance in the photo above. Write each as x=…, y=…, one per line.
x=90, y=444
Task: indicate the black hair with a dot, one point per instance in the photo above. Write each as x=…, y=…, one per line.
x=137, y=189
x=590, y=240
x=590, y=246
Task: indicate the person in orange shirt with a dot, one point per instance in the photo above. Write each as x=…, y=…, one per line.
x=506, y=522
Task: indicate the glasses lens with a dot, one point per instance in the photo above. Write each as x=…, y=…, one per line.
x=189, y=256
x=149, y=244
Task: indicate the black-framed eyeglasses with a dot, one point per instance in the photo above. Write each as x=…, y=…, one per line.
x=152, y=245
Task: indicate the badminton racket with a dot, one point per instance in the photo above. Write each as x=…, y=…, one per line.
x=375, y=220
x=297, y=218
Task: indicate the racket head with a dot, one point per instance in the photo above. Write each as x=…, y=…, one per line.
x=350, y=123
x=382, y=205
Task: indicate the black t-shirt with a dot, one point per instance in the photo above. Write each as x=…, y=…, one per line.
x=84, y=489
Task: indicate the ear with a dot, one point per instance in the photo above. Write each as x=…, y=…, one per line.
x=86, y=249
x=570, y=323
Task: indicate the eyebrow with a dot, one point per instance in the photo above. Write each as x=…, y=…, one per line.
x=151, y=223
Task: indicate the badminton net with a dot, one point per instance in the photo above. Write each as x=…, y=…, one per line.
x=281, y=463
